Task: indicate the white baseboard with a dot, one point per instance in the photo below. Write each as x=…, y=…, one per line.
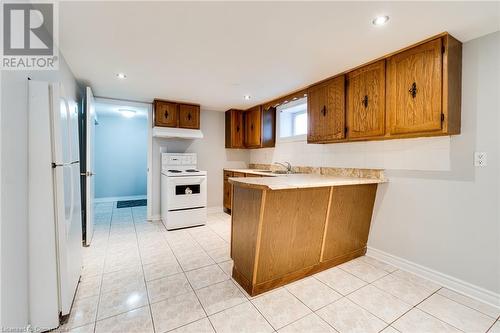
x=154, y=218
x=215, y=209
x=113, y=199
x=444, y=280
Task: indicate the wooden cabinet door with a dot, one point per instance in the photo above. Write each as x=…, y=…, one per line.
x=253, y=127
x=415, y=89
x=366, y=101
x=348, y=224
x=268, y=128
x=326, y=111
x=237, y=130
x=227, y=194
x=189, y=116
x=227, y=189
x=234, y=129
x=166, y=114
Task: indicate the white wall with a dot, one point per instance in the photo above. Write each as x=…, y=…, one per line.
x=212, y=157
x=438, y=210
x=14, y=185
x=121, y=146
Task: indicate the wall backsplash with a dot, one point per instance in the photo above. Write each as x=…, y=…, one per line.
x=327, y=171
x=425, y=154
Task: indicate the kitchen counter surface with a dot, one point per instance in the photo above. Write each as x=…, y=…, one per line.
x=259, y=172
x=294, y=181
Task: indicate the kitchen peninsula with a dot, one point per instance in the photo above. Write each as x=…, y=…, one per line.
x=288, y=227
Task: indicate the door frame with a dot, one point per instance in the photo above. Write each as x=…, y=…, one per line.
x=149, y=108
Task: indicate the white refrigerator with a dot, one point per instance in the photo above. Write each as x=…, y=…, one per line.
x=55, y=222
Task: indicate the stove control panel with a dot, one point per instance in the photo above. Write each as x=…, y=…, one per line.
x=178, y=160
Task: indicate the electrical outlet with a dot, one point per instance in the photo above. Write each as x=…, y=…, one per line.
x=480, y=159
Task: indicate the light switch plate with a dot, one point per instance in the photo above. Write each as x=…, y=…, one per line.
x=480, y=159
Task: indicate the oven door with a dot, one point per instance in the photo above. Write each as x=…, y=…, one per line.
x=186, y=192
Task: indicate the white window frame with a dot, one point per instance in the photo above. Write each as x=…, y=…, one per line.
x=294, y=138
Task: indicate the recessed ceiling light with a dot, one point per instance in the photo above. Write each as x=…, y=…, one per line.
x=121, y=76
x=380, y=20
x=127, y=113
x=247, y=97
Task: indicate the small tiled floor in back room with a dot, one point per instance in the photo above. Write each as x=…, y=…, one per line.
x=139, y=277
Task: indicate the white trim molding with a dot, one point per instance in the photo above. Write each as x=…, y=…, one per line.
x=444, y=280
x=113, y=199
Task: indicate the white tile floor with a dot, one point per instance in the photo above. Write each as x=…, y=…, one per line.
x=139, y=277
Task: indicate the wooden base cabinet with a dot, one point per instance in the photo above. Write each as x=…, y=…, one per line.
x=228, y=190
x=348, y=224
x=279, y=236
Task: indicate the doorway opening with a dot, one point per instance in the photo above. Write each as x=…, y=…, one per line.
x=117, y=157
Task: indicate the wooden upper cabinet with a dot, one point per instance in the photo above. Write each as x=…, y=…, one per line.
x=234, y=129
x=253, y=122
x=326, y=111
x=253, y=128
x=268, y=128
x=189, y=116
x=166, y=113
x=366, y=101
x=414, y=89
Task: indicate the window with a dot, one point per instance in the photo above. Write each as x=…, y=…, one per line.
x=293, y=120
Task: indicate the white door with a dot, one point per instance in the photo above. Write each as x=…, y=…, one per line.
x=89, y=173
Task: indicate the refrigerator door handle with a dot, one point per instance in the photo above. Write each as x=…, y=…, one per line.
x=55, y=165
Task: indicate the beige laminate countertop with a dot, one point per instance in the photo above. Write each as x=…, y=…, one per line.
x=293, y=181
x=254, y=172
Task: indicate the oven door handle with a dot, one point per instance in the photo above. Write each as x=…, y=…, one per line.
x=187, y=181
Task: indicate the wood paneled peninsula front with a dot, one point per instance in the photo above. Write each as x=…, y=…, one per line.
x=288, y=227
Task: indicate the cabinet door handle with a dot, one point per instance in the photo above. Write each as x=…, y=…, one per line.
x=323, y=111
x=166, y=114
x=237, y=128
x=251, y=127
x=413, y=90
x=189, y=116
x=364, y=101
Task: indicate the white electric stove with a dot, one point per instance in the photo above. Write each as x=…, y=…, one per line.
x=183, y=191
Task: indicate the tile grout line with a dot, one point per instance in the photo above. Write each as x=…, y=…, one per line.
x=189, y=282
x=120, y=313
x=104, y=265
x=194, y=291
x=312, y=311
x=496, y=320
x=251, y=300
x=143, y=275
x=430, y=314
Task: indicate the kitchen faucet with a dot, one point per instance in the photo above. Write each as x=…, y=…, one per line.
x=286, y=165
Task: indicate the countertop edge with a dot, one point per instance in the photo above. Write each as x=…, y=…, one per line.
x=342, y=181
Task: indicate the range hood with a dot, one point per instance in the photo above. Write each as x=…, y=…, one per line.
x=173, y=132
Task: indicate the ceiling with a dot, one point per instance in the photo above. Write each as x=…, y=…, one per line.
x=109, y=107
x=214, y=53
